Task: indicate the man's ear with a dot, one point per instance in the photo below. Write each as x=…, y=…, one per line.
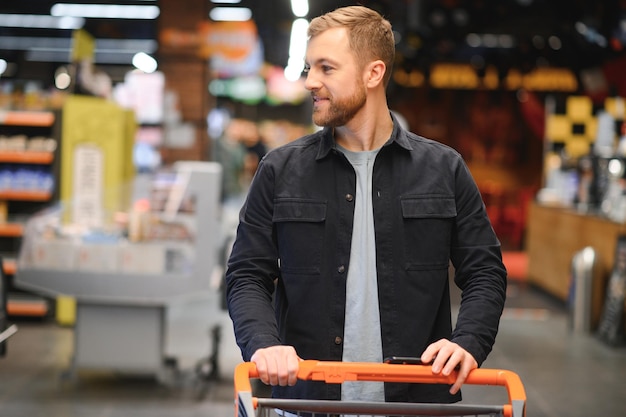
x=375, y=73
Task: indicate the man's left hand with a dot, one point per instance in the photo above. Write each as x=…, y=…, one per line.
x=447, y=356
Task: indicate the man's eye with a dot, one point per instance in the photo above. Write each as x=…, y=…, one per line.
x=326, y=68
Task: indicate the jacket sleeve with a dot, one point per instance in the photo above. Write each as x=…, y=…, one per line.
x=252, y=268
x=479, y=272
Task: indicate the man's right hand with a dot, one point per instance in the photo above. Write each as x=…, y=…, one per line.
x=277, y=365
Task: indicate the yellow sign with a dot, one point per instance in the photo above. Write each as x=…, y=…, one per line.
x=83, y=46
x=463, y=76
x=575, y=127
x=96, y=157
x=454, y=76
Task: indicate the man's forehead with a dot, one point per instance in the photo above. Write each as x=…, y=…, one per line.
x=332, y=34
x=328, y=46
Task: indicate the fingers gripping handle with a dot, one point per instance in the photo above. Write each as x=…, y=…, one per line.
x=338, y=372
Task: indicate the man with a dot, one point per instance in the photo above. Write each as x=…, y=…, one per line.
x=346, y=235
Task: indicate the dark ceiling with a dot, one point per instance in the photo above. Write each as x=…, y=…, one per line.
x=589, y=32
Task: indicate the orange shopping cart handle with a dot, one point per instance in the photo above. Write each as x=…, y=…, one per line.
x=338, y=372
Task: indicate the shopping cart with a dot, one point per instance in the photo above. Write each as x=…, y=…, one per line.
x=247, y=405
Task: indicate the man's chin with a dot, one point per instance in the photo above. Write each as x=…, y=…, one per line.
x=321, y=122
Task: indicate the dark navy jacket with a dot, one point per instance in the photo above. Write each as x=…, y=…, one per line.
x=293, y=247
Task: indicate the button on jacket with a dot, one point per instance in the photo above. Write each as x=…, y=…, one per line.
x=293, y=249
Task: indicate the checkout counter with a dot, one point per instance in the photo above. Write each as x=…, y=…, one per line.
x=554, y=235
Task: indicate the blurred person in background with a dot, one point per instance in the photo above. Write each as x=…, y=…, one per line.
x=239, y=150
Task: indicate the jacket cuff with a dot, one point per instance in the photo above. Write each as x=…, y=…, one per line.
x=470, y=344
x=259, y=342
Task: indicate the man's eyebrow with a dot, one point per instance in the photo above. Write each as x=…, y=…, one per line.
x=320, y=61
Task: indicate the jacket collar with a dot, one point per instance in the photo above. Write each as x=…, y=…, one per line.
x=398, y=136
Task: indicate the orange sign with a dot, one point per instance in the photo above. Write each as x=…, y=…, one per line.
x=175, y=38
x=232, y=40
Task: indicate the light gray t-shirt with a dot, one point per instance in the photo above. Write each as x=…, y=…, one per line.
x=362, y=335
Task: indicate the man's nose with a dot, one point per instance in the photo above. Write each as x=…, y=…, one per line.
x=310, y=82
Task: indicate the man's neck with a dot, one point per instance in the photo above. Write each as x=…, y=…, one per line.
x=365, y=133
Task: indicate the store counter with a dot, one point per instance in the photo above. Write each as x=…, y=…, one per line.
x=123, y=287
x=554, y=235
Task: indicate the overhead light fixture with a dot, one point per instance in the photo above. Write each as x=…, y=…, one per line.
x=230, y=14
x=226, y=1
x=555, y=42
x=25, y=43
x=490, y=40
x=300, y=8
x=293, y=70
x=105, y=11
x=473, y=40
x=107, y=51
x=144, y=62
x=591, y=34
x=62, y=78
x=116, y=58
x=298, y=40
x=41, y=21
x=297, y=49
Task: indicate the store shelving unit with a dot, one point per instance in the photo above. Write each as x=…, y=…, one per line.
x=22, y=203
x=6, y=328
x=120, y=314
x=27, y=118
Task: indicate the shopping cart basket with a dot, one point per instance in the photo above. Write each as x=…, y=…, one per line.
x=246, y=405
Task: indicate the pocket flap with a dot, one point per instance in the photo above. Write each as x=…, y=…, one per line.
x=428, y=207
x=299, y=210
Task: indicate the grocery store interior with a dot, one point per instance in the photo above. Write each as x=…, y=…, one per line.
x=131, y=129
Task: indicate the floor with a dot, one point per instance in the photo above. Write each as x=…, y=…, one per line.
x=564, y=374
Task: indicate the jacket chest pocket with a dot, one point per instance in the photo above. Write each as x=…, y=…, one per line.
x=299, y=226
x=428, y=225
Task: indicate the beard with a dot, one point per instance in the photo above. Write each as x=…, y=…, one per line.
x=341, y=111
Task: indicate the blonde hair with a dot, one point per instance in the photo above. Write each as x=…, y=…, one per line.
x=370, y=35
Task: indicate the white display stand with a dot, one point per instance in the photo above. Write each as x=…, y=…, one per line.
x=120, y=316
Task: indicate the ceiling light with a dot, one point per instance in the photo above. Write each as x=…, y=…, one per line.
x=107, y=51
x=554, y=42
x=300, y=8
x=506, y=41
x=105, y=57
x=490, y=40
x=41, y=21
x=460, y=17
x=474, y=40
x=127, y=45
x=230, y=14
x=293, y=70
x=298, y=40
x=297, y=49
x=25, y=43
x=144, y=62
x=226, y=1
x=538, y=41
x=105, y=11
x=62, y=78
x=397, y=37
